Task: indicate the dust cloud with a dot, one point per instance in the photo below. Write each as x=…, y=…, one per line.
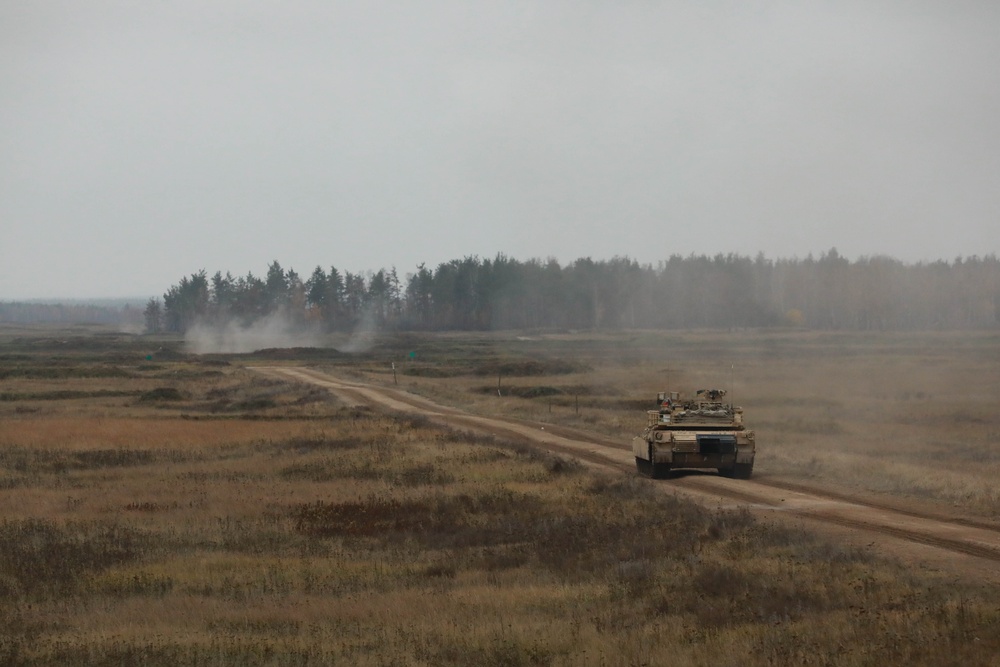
x=277, y=330
x=362, y=339
x=274, y=331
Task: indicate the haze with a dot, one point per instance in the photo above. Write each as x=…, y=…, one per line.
x=140, y=142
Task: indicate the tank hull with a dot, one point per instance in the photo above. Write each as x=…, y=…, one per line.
x=695, y=435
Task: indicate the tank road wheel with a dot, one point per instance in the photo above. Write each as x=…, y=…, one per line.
x=663, y=471
x=644, y=467
x=657, y=470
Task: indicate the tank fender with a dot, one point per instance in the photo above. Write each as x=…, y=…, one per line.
x=643, y=447
x=746, y=448
x=640, y=448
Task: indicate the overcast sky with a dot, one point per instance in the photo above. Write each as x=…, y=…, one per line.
x=143, y=141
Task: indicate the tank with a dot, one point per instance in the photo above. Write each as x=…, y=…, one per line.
x=703, y=432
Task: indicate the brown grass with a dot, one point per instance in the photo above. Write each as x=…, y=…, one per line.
x=223, y=529
x=903, y=414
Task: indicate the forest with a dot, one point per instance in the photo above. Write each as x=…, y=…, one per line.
x=724, y=291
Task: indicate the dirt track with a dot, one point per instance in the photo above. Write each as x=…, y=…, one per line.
x=924, y=537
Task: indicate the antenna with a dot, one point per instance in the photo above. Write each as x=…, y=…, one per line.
x=732, y=383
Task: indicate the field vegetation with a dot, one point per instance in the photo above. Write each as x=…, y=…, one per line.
x=166, y=508
x=904, y=414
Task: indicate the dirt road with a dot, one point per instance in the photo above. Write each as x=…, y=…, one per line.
x=921, y=536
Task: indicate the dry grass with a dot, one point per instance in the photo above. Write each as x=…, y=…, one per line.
x=257, y=522
x=906, y=414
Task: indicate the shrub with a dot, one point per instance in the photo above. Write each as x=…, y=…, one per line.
x=40, y=558
x=161, y=394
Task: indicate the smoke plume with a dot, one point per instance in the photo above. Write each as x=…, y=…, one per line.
x=275, y=330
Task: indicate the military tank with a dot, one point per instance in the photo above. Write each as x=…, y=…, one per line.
x=699, y=432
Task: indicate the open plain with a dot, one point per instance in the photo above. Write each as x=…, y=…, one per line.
x=470, y=499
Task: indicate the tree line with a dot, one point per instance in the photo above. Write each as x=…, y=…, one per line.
x=723, y=291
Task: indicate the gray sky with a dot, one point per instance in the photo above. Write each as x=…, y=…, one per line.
x=143, y=141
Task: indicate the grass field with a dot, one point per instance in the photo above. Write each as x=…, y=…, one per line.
x=905, y=414
x=162, y=508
